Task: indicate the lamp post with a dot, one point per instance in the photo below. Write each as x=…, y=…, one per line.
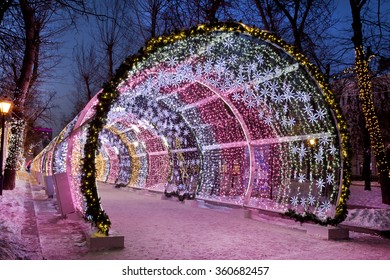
x=5, y=106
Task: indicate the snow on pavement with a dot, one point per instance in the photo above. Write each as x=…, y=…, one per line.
x=155, y=228
x=370, y=211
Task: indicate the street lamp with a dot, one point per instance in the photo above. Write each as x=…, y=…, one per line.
x=5, y=106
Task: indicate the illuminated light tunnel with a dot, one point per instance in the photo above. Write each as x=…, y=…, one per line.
x=222, y=112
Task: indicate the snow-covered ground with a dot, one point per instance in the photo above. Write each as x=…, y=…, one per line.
x=31, y=227
x=371, y=212
x=156, y=228
x=12, y=217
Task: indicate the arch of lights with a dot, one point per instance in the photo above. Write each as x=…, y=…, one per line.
x=221, y=112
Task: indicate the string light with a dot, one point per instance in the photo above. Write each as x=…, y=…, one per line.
x=371, y=120
x=14, y=151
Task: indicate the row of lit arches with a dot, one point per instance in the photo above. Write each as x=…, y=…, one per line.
x=221, y=112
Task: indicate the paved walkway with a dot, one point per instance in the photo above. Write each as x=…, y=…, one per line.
x=50, y=235
x=156, y=228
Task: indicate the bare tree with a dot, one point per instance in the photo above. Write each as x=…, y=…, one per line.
x=86, y=67
x=184, y=14
x=87, y=77
x=110, y=32
x=147, y=17
x=303, y=23
x=306, y=24
x=22, y=52
x=157, y=17
x=39, y=111
x=32, y=27
x=112, y=41
x=271, y=16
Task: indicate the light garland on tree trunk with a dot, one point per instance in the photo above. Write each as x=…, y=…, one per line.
x=372, y=124
x=17, y=127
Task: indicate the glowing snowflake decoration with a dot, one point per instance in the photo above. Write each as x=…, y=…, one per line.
x=285, y=108
x=301, y=178
x=268, y=74
x=229, y=43
x=257, y=76
x=208, y=67
x=259, y=58
x=330, y=178
x=209, y=50
x=321, y=212
x=251, y=104
x=332, y=150
x=302, y=96
x=304, y=202
x=268, y=120
x=278, y=98
x=295, y=201
x=261, y=115
x=321, y=113
x=308, y=109
x=320, y=183
x=220, y=66
x=291, y=122
x=240, y=79
x=326, y=205
x=294, y=149
x=284, y=121
x=233, y=59
x=312, y=117
x=302, y=152
x=324, y=140
x=318, y=157
x=273, y=86
x=311, y=200
x=252, y=67
x=172, y=62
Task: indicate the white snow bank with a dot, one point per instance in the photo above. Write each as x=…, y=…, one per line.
x=12, y=217
x=369, y=218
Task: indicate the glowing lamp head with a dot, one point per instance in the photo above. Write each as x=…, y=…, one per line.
x=312, y=141
x=5, y=106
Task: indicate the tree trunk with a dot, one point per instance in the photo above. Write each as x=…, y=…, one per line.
x=9, y=179
x=211, y=11
x=15, y=151
x=110, y=54
x=153, y=14
x=263, y=15
x=366, y=160
x=365, y=96
x=384, y=179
